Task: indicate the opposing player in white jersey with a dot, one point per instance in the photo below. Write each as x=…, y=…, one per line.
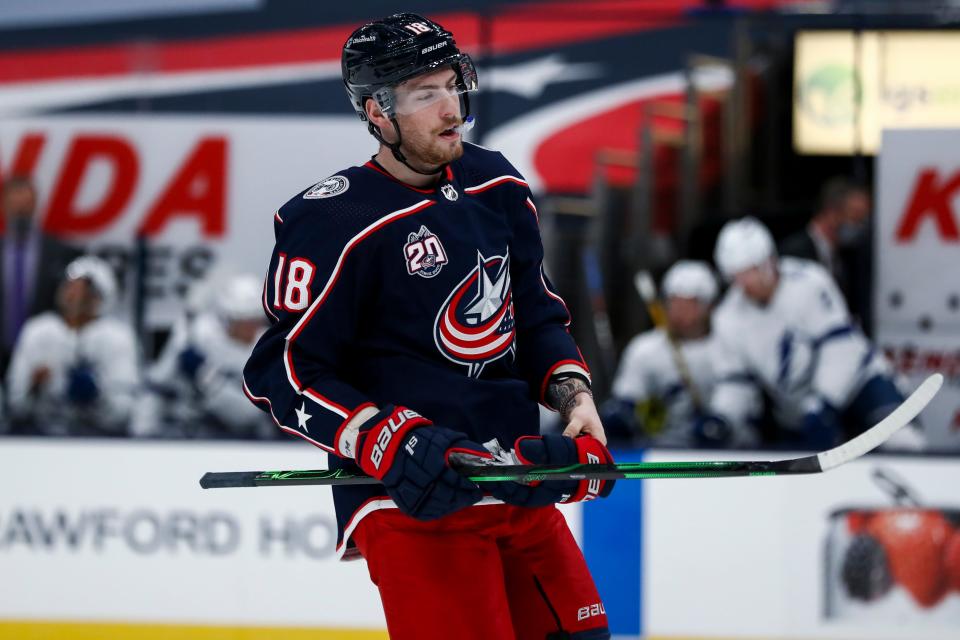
x=784, y=328
x=74, y=371
x=201, y=368
x=666, y=375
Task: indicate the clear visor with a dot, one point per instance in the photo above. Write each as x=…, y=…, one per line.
x=415, y=95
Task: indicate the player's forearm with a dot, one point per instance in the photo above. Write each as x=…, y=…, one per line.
x=565, y=391
x=545, y=353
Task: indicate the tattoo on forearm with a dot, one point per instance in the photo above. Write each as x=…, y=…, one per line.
x=562, y=394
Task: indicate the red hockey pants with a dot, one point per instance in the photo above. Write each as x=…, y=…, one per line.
x=493, y=572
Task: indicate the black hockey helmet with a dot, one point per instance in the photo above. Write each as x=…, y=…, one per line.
x=382, y=54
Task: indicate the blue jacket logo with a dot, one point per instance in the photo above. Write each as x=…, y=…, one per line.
x=476, y=325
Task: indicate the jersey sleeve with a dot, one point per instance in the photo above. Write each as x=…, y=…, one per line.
x=840, y=350
x=544, y=344
x=24, y=362
x=823, y=310
x=119, y=374
x=313, y=298
x=632, y=379
x=736, y=397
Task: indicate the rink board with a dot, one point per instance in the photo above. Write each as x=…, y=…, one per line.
x=115, y=539
x=119, y=532
x=748, y=557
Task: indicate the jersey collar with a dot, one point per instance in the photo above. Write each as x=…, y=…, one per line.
x=447, y=172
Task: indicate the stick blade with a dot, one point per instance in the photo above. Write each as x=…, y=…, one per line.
x=227, y=479
x=879, y=433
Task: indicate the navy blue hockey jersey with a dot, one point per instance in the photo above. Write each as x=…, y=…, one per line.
x=435, y=299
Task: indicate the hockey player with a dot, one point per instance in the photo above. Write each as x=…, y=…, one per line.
x=412, y=321
x=666, y=375
x=784, y=328
x=194, y=389
x=74, y=371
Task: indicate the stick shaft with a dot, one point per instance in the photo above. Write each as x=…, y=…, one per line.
x=823, y=461
x=528, y=473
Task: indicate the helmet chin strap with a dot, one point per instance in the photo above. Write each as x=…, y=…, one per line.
x=395, y=148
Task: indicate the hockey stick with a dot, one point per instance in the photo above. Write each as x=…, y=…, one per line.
x=643, y=282
x=824, y=461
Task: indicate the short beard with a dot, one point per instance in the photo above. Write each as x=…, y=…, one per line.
x=427, y=154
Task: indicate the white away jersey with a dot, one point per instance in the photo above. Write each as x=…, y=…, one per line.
x=109, y=348
x=800, y=347
x=648, y=369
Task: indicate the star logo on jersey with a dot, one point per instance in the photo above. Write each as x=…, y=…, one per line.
x=424, y=253
x=476, y=326
x=302, y=417
x=449, y=192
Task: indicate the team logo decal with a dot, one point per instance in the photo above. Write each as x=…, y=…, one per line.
x=449, y=192
x=476, y=326
x=332, y=186
x=424, y=253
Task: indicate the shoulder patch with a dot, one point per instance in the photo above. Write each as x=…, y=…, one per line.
x=332, y=186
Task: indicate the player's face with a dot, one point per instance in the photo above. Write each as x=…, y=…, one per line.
x=758, y=283
x=428, y=133
x=855, y=215
x=856, y=208
x=687, y=317
x=77, y=300
x=19, y=202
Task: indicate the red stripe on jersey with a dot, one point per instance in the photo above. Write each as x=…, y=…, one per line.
x=369, y=164
x=353, y=242
x=489, y=184
x=313, y=394
x=556, y=297
x=326, y=402
x=266, y=307
x=258, y=399
x=533, y=208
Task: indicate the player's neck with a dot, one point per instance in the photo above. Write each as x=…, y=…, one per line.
x=402, y=172
x=691, y=334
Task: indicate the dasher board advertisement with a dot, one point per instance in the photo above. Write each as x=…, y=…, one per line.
x=867, y=551
x=201, y=192
x=119, y=535
x=850, y=86
x=916, y=291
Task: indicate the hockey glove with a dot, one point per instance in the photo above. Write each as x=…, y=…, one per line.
x=555, y=449
x=821, y=427
x=189, y=362
x=619, y=418
x=408, y=454
x=82, y=388
x=710, y=431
